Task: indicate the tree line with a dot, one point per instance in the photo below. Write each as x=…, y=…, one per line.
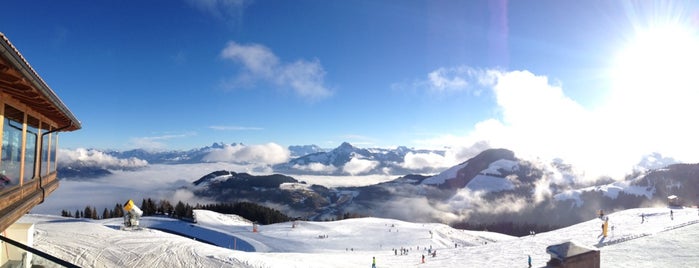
x=181, y=210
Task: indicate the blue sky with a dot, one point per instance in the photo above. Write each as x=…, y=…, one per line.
x=426, y=74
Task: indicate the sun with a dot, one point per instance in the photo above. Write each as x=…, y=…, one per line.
x=657, y=68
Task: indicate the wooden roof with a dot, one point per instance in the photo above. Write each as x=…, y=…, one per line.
x=19, y=80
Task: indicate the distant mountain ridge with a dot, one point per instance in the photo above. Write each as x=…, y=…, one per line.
x=171, y=157
x=492, y=187
x=332, y=162
x=305, y=159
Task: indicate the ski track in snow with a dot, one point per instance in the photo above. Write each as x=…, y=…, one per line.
x=658, y=242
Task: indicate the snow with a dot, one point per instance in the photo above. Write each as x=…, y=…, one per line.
x=489, y=184
x=345, y=181
x=485, y=181
x=504, y=164
x=659, y=241
x=611, y=190
x=445, y=175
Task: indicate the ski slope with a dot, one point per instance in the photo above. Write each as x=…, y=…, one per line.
x=659, y=241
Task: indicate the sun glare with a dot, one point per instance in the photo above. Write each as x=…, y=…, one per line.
x=658, y=68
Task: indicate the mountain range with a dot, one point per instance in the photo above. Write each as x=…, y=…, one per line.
x=493, y=187
x=346, y=159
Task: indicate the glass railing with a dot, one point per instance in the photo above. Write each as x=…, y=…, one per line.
x=14, y=254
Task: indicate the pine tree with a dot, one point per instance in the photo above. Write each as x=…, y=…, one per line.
x=77, y=213
x=87, y=213
x=105, y=214
x=180, y=210
x=66, y=213
x=94, y=213
x=118, y=211
x=165, y=207
x=144, y=207
x=189, y=211
x=148, y=207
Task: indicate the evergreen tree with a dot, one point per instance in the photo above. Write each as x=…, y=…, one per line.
x=189, y=211
x=87, y=213
x=66, y=213
x=118, y=211
x=180, y=210
x=105, y=214
x=148, y=207
x=95, y=216
x=165, y=207
x=77, y=213
x=144, y=205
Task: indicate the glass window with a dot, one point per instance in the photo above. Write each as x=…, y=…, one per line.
x=30, y=147
x=52, y=154
x=11, y=147
x=45, y=150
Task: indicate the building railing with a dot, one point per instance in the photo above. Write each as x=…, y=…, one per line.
x=20, y=255
x=19, y=200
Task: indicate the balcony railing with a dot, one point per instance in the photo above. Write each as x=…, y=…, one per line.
x=15, y=254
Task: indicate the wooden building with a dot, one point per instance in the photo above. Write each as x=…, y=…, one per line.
x=32, y=116
x=674, y=201
x=573, y=255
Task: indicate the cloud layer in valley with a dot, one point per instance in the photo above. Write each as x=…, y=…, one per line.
x=95, y=158
x=270, y=153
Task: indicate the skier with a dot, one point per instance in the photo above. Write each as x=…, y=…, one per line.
x=671, y=215
x=373, y=262
x=423, y=258
x=643, y=217
x=529, y=260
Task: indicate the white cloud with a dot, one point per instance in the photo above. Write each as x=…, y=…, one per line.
x=257, y=59
x=270, y=153
x=227, y=10
x=235, y=128
x=157, y=181
x=94, y=158
x=317, y=167
x=455, y=79
x=305, y=78
x=538, y=120
x=156, y=143
x=357, y=166
x=417, y=161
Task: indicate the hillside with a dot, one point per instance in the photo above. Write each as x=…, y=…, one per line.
x=660, y=241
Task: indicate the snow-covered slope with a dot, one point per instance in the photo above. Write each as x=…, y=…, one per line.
x=611, y=190
x=657, y=242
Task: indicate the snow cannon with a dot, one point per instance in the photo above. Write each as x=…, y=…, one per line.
x=132, y=216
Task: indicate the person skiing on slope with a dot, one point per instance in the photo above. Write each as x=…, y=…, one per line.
x=373, y=262
x=529, y=260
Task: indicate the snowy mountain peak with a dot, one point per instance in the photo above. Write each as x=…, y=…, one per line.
x=345, y=147
x=481, y=164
